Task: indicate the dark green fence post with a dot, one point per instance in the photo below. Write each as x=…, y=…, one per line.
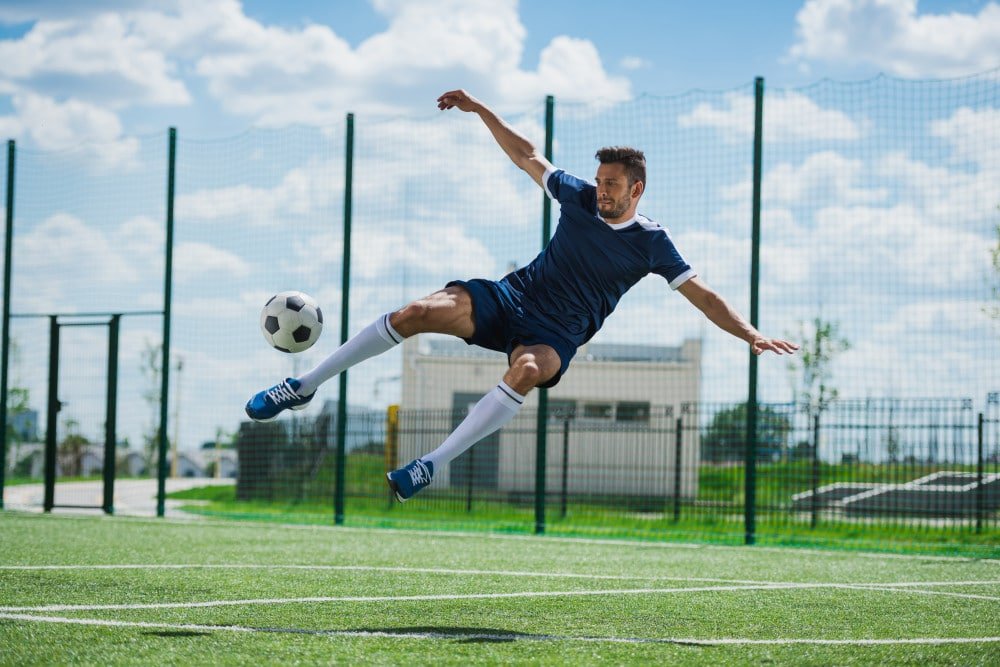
x=339, y=476
x=168, y=274
x=52, y=418
x=4, y=365
x=678, y=437
x=979, y=475
x=111, y=417
x=565, y=469
x=541, y=426
x=815, y=473
x=750, y=481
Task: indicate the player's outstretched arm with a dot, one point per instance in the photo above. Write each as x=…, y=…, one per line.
x=726, y=318
x=521, y=151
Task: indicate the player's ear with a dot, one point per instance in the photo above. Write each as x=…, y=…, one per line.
x=637, y=189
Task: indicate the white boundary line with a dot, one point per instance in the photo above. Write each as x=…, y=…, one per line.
x=374, y=568
x=581, y=541
x=488, y=636
x=901, y=588
x=874, y=585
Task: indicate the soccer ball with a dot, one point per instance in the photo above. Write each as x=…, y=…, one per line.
x=291, y=321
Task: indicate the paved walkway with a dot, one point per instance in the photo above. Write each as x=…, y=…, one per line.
x=133, y=497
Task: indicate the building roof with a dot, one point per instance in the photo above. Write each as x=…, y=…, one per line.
x=616, y=352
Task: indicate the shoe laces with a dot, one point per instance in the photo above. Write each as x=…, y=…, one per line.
x=281, y=393
x=419, y=473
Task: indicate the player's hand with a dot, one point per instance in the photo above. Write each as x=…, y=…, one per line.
x=457, y=98
x=776, y=345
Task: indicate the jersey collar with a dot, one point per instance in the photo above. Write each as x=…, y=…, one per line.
x=619, y=225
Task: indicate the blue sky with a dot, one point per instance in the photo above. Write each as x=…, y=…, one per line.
x=173, y=62
x=105, y=78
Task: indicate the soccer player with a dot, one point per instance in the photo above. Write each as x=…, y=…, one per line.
x=541, y=313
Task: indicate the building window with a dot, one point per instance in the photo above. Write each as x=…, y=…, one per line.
x=597, y=410
x=562, y=409
x=633, y=412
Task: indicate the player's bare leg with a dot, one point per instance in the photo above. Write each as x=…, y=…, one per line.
x=447, y=311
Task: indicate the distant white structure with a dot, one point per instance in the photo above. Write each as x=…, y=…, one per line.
x=131, y=463
x=621, y=402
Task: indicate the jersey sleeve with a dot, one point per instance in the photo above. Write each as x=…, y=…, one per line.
x=568, y=189
x=668, y=262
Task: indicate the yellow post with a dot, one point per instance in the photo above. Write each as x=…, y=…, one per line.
x=391, y=437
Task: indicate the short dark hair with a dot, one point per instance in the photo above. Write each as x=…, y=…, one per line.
x=632, y=158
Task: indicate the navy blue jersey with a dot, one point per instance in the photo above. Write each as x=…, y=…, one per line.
x=577, y=280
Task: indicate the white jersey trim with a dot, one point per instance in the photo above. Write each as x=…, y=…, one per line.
x=683, y=278
x=620, y=225
x=545, y=181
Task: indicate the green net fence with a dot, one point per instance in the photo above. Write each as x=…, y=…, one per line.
x=878, y=216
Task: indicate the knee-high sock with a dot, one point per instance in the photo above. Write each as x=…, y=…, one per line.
x=491, y=412
x=376, y=338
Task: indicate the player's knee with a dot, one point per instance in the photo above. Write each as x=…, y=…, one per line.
x=410, y=318
x=527, y=372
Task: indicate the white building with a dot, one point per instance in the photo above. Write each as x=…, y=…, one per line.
x=618, y=405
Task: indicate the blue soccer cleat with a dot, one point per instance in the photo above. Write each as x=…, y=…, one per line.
x=409, y=479
x=266, y=405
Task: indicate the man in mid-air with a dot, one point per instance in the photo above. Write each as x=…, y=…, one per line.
x=541, y=313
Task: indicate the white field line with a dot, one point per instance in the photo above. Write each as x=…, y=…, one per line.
x=493, y=636
x=580, y=541
x=876, y=585
x=377, y=568
x=497, y=596
x=884, y=586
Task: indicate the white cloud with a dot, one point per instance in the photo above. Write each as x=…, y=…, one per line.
x=445, y=251
x=63, y=255
x=891, y=35
x=196, y=261
x=569, y=69
x=974, y=135
x=898, y=245
x=117, y=56
x=99, y=59
x=633, y=62
x=311, y=75
x=53, y=125
x=788, y=117
x=301, y=191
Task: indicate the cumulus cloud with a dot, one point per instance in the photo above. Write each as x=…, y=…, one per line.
x=301, y=191
x=312, y=75
x=973, y=134
x=891, y=35
x=788, y=116
x=100, y=60
x=54, y=125
x=114, y=56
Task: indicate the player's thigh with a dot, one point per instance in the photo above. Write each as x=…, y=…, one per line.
x=530, y=366
x=447, y=311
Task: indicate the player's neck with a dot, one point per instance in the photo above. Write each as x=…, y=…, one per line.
x=621, y=220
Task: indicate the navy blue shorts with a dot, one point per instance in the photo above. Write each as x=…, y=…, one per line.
x=502, y=324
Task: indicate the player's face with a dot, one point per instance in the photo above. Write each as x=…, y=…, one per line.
x=614, y=195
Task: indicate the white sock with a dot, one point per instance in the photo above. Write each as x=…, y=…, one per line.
x=491, y=412
x=376, y=338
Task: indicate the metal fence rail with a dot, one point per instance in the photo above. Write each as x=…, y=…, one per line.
x=910, y=467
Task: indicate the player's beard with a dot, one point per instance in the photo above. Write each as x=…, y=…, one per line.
x=615, y=209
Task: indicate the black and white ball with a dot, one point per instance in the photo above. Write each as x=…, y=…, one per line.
x=291, y=321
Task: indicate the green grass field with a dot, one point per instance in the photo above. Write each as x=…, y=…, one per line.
x=144, y=591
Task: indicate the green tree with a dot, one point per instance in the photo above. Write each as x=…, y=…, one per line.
x=812, y=367
x=18, y=403
x=72, y=448
x=724, y=439
x=150, y=365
